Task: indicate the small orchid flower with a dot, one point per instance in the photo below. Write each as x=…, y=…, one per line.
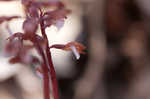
x=75, y=47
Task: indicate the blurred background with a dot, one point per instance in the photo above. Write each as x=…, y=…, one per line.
x=116, y=64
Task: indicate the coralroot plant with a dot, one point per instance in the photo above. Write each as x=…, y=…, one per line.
x=39, y=14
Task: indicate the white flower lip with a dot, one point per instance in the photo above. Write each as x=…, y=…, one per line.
x=75, y=52
x=39, y=74
x=59, y=24
x=53, y=1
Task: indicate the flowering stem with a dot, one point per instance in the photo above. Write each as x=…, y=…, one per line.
x=46, y=83
x=45, y=72
x=53, y=75
x=50, y=63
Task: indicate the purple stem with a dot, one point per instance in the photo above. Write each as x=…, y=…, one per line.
x=51, y=66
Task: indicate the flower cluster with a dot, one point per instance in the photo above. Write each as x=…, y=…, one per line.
x=43, y=14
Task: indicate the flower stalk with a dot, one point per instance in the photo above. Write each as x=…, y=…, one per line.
x=50, y=63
